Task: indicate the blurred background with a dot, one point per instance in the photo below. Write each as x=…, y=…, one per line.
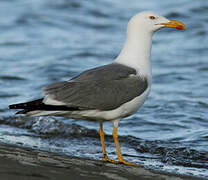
x=43, y=41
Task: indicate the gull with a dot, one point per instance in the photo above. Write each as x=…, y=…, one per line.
x=110, y=92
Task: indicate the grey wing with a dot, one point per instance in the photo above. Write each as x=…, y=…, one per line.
x=106, y=92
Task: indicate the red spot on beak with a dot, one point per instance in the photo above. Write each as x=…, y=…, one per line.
x=179, y=27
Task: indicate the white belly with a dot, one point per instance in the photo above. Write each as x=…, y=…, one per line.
x=124, y=110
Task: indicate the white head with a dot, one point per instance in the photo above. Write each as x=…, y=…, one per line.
x=150, y=22
x=137, y=48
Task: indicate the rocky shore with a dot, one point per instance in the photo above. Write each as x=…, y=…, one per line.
x=28, y=164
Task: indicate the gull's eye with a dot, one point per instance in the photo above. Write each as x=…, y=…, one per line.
x=152, y=17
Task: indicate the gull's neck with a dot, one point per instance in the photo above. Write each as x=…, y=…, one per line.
x=136, y=51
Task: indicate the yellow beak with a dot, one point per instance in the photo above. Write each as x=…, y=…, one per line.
x=174, y=24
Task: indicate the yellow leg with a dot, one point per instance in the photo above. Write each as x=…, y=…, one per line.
x=105, y=157
x=120, y=157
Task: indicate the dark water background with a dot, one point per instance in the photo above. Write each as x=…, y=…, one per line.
x=43, y=41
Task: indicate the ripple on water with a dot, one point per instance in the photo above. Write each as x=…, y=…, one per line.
x=49, y=126
x=12, y=78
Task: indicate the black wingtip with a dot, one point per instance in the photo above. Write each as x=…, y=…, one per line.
x=39, y=105
x=27, y=105
x=12, y=106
